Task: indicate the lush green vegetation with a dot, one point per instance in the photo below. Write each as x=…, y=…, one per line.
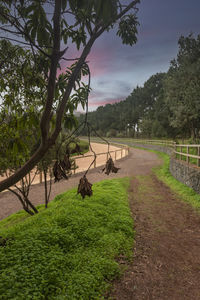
x=191, y=150
x=184, y=192
x=187, y=194
x=167, y=106
x=68, y=251
x=83, y=144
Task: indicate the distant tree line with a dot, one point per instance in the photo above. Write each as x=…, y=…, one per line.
x=168, y=105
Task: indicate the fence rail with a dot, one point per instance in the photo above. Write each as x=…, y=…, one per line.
x=188, y=153
x=115, y=154
x=184, y=152
x=157, y=142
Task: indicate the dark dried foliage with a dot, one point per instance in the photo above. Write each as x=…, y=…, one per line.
x=84, y=187
x=60, y=171
x=110, y=167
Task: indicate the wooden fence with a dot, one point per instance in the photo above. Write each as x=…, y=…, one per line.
x=156, y=142
x=188, y=153
x=88, y=159
x=115, y=154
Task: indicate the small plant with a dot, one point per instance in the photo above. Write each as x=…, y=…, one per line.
x=69, y=250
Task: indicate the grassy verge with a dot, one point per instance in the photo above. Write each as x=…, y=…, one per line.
x=68, y=251
x=162, y=172
x=187, y=194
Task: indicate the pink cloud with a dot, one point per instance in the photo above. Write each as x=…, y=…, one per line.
x=99, y=60
x=104, y=102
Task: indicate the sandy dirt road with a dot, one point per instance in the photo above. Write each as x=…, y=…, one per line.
x=138, y=162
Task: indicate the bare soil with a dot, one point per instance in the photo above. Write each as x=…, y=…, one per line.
x=166, y=263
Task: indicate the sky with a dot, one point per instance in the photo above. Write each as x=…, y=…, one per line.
x=116, y=69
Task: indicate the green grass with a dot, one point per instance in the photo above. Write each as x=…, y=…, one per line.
x=192, y=150
x=84, y=147
x=69, y=250
x=184, y=192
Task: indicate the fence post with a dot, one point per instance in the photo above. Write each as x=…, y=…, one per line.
x=74, y=166
x=198, y=160
x=181, y=152
x=187, y=158
x=175, y=155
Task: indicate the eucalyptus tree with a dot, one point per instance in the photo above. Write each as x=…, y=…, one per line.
x=49, y=28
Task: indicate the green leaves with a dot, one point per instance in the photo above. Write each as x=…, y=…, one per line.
x=28, y=78
x=37, y=26
x=128, y=29
x=182, y=91
x=105, y=10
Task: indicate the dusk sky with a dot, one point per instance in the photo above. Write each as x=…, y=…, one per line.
x=117, y=69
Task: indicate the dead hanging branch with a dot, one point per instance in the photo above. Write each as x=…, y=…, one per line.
x=106, y=141
x=62, y=167
x=90, y=146
x=110, y=167
x=84, y=187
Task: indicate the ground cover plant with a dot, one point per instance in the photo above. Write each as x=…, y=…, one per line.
x=68, y=251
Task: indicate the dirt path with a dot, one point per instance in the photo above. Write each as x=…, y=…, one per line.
x=166, y=262
x=138, y=162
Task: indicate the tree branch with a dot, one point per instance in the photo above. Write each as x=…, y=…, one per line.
x=47, y=142
x=46, y=116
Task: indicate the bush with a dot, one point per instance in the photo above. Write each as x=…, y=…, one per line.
x=67, y=251
x=111, y=133
x=120, y=135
